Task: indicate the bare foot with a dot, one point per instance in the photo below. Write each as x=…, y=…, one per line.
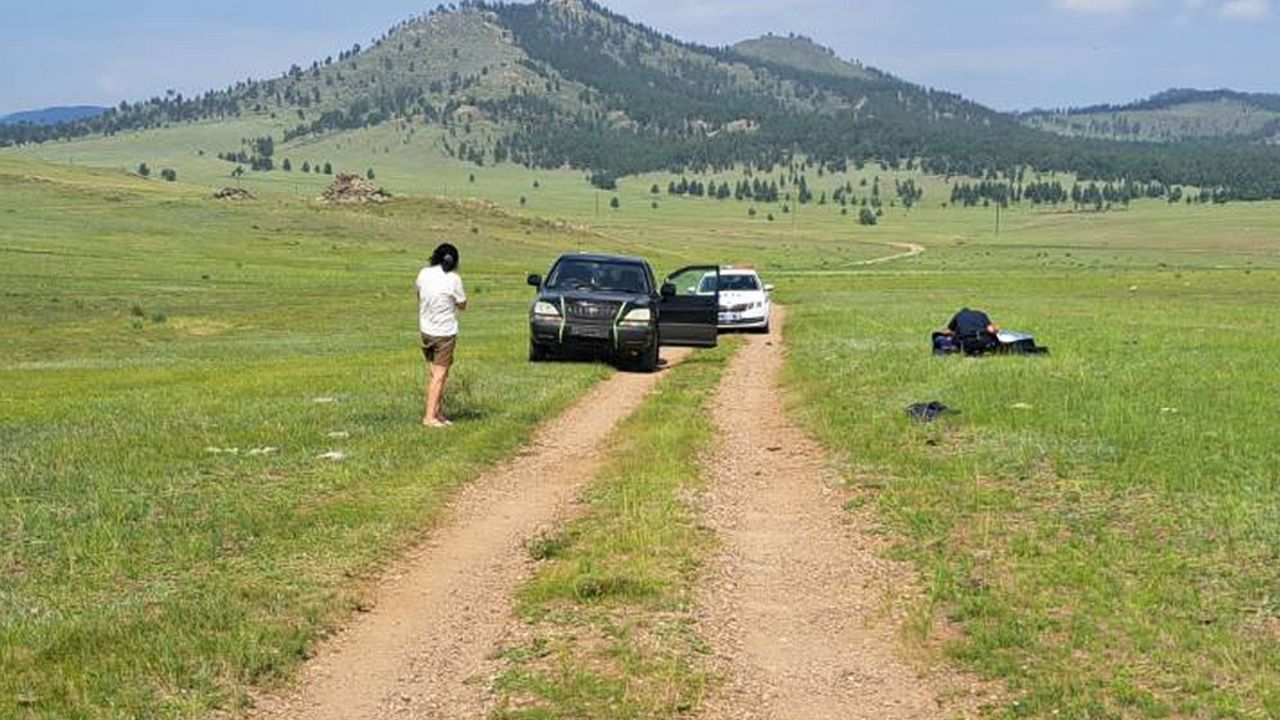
x=433, y=423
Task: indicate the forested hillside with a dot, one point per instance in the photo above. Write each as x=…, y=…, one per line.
x=1172, y=116
x=568, y=83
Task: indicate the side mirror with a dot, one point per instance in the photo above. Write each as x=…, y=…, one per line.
x=534, y=281
x=768, y=288
x=668, y=290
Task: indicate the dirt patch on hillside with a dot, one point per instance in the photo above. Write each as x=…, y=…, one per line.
x=230, y=193
x=804, y=612
x=348, y=189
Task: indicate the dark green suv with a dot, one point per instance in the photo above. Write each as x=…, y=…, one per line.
x=609, y=306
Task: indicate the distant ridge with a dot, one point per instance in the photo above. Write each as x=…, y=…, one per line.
x=52, y=115
x=570, y=83
x=801, y=53
x=1175, y=115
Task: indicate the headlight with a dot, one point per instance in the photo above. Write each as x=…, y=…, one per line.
x=545, y=309
x=639, y=316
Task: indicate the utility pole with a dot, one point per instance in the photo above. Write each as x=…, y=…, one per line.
x=998, y=204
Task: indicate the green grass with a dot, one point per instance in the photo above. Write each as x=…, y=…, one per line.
x=1105, y=557
x=1101, y=523
x=610, y=611
x=145, y=574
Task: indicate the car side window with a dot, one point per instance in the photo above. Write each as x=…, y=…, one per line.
x=691, y=282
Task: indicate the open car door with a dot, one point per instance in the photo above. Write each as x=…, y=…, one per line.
x=690, y=309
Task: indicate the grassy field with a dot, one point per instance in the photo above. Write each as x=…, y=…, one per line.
x=610, y=613
x=173, y=369
x=1098, y=523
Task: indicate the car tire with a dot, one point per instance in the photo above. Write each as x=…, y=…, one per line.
x=537, y=353
x=648, y=362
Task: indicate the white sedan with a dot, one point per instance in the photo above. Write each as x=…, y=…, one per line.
x=744, y=299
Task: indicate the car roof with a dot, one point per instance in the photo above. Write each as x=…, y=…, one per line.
x=600, y=257
x=737, y=271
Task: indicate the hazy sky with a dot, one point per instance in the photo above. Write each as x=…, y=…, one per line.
x=1010, y=54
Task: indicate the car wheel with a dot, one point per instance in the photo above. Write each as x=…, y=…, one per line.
x=537, y=353
x=648, y=362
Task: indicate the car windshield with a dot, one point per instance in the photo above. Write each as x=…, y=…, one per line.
x=729, y=283
x=602, y=275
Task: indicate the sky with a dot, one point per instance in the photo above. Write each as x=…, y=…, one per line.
x=1008, y=54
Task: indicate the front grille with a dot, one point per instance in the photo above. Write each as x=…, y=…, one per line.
x=735, y=308
x=593, y=309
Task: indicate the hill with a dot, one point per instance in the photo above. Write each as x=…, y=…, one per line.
x=567, y=83
x=1172, y=116
x=801, y=53
x=52, y=115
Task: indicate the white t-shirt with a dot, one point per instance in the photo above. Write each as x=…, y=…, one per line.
x=439, y=294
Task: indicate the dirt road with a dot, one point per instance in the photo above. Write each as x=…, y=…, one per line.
x=909, y=250
x=421, y=651
x=795, y=607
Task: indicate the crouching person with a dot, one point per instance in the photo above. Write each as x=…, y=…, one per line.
x=973, y=332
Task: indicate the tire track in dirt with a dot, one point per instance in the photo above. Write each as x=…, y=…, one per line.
x=798, y=604
x=422, y=651
x=909, y=250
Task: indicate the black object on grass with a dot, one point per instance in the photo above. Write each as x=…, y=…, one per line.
x=927, y=412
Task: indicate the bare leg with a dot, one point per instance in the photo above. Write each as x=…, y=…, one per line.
x=426, y=397
x=435, y=395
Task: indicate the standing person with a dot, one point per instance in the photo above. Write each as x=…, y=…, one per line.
x=440, y=297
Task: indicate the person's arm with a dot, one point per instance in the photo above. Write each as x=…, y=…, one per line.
x=459, y=295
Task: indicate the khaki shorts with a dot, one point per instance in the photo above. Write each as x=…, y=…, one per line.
x=439, y=350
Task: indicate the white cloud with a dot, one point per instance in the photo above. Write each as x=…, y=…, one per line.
x=1098, y=7
x=1246, y=10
